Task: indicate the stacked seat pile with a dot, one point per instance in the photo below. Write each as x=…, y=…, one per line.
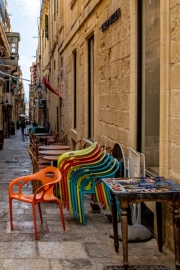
x=82, y=172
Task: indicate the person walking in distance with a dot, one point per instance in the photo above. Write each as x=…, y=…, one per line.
x=23, y=126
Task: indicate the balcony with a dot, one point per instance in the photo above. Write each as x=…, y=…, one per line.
x=4, y=46
x=44, y=10
x=31, y=94
x=13, y=39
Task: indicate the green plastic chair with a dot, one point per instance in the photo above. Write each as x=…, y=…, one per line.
x=72, y=155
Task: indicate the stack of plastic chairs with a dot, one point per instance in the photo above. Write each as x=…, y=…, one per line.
x=70, y=156
x=82, y=172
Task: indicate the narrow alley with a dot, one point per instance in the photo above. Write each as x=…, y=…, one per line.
x=79, y=247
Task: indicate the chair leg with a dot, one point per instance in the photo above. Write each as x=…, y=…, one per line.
x=62, y=215
x=40, y=213
x=10, y=211
x=34, y=218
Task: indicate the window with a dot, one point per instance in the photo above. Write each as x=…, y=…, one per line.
x=149, y=82
x=57, y=117
x=13, y=47
x=46, y=26
x=75, y=89
x=91, y=88
x=55, y=9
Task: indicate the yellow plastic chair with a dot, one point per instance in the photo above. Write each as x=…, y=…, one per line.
x=76, y=153
x=71, y=155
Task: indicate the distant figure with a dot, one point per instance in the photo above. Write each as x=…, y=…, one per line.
x=23, y=126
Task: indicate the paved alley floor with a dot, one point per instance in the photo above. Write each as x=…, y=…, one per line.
x=77, y=248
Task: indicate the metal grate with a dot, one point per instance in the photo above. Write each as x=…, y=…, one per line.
x=137, y=267
x=10, y=161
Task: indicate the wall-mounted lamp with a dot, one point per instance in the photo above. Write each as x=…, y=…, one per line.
x=6, y=102
x=39, y=88
x=2, y=102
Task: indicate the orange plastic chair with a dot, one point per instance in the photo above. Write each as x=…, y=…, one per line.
x=49, y=177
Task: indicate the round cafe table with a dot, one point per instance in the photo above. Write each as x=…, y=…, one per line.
x=45, y=138
x=51, y=158
x=52, y=152
x=54, y=147
x=41, y=134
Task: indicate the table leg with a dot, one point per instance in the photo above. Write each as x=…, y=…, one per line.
x=55, y=163
x=176, y=225
x=159, y=224
x=114, y=222
x=124, y=231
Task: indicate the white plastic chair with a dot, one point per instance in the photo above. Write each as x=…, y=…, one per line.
x=136, y=168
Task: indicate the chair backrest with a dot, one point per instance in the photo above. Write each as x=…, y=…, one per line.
x=81, y=144
x=118, y=153
x=55, y=135
x=33, y=159
x=133, y=163
x=63, y=139
x=30, y=136
x=48, y=177
x=77, y=153
x=48, y=174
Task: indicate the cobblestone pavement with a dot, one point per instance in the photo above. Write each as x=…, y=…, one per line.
x=78, y=247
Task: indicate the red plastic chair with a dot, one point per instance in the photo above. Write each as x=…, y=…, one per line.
x=68, y=164
x=49, y=177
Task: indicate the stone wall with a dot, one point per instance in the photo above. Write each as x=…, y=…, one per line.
x=112, y=50
x=175, y=89
x=115, y=78
x=170, y=97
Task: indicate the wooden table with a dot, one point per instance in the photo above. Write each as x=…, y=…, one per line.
x=45, y=138
x=52, y=152
x=54, y=147
x=135, y=190
x=41, y=134
x=52, y=158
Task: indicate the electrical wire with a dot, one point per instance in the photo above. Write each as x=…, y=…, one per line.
x=9, y=75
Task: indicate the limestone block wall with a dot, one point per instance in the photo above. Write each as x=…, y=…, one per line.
x=115, y=78
x=113, y=82
x=50, y=68
x=175, y=90
x=114, y=70
x=170, y=100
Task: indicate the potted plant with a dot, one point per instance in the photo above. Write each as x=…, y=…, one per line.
x=12, y=127
x=17, y=124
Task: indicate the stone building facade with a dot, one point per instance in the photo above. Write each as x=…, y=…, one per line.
x=116, y=65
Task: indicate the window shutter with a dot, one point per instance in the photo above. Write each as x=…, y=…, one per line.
x=54, y=9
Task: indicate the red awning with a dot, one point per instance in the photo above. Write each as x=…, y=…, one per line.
x=47, y=84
